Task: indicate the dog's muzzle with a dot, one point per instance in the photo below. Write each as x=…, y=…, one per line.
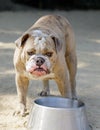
x=38, y=65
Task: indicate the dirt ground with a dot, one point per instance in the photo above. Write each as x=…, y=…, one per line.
x=86, y=25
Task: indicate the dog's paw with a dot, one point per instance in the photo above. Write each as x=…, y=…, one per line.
x=21, y=113
x=44, y=93
x=21, y=110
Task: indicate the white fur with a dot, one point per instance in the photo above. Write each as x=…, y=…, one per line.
x=38, y=33
x=40, y=39
x=40, y=43
x=29, y=65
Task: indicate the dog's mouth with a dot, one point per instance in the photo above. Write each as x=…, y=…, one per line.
x=39, y=71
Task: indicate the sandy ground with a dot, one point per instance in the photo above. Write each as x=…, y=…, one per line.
x=87, y=30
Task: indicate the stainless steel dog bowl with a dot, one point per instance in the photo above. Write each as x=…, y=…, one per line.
x=56, y=113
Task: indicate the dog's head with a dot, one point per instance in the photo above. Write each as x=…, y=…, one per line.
x=39, y=53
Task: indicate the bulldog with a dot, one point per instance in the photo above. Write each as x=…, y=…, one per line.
x=46, y=51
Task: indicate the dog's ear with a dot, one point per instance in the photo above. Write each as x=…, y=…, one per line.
x=21, y=41
x=57, y=43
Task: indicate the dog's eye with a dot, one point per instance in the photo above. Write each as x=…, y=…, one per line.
x=30, y=53
x=49, y=54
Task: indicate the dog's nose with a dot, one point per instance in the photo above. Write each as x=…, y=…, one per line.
x=39, y=61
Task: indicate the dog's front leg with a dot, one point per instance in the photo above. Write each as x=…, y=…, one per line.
x=64, y=87
x=71, y=61
x=63, y=80
x=22, y=86
x=46, y=90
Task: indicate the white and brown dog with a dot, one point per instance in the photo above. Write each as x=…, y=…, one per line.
x=46, y=51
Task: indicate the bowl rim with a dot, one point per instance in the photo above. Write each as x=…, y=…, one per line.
x=81, y=105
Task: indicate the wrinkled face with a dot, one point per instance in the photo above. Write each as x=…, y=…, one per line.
x=39, y=55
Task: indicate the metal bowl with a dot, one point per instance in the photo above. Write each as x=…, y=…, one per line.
x=56, y=113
